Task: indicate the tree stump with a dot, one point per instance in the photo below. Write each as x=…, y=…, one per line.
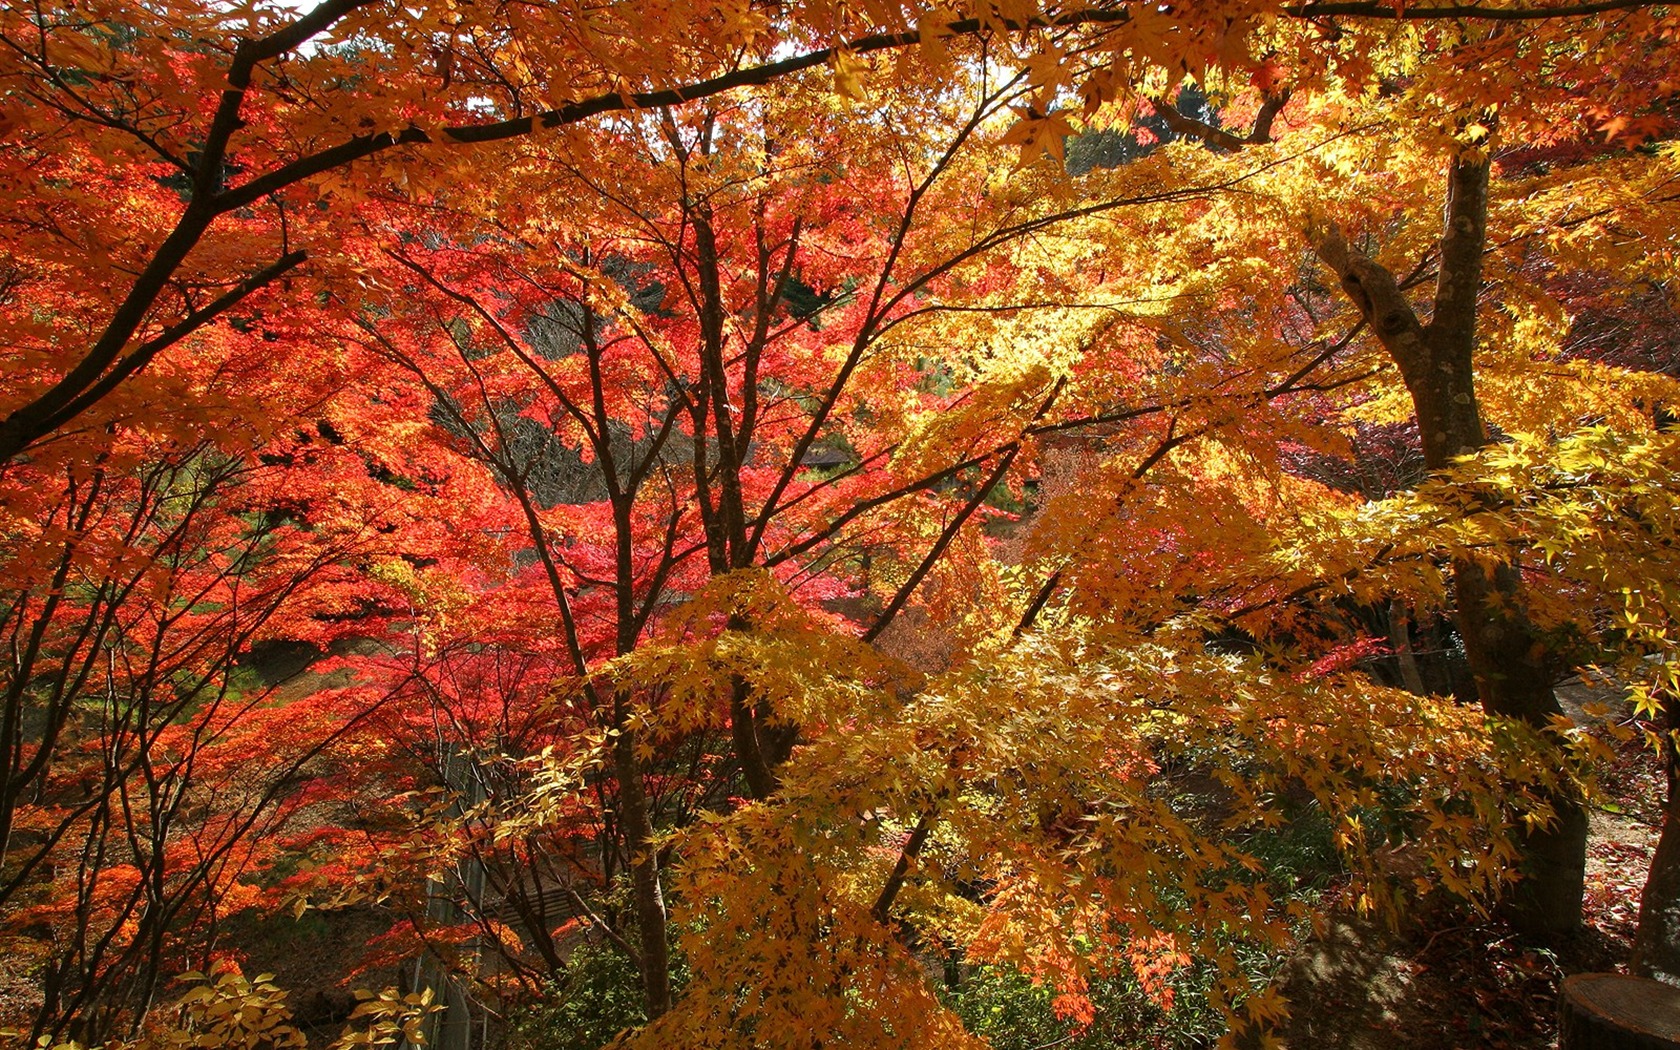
x=1611, y=1011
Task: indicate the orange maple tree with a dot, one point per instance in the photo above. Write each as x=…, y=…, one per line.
x=762, y=499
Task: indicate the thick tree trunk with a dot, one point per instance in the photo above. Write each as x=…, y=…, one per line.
x=1508, y=660
x=1507, y=655
x=1656, y=946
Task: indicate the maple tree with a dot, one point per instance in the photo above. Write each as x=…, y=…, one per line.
x=234, y=113
x=1508, y=655
x=663, y=393
x=661, y=456
x=129, y=735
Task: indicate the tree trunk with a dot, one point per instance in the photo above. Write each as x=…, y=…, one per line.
x=1507, y=655
x=1514, y=680
x=1400, y=636
x=654, y=950
x=1656, y=946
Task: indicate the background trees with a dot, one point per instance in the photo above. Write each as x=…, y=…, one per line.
x=795, y=537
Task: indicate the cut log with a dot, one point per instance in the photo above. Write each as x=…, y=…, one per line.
x=1612, y=1011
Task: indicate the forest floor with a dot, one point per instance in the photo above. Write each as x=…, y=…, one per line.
x=1453, y=982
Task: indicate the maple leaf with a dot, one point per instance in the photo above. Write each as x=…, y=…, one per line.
x=1038, y=134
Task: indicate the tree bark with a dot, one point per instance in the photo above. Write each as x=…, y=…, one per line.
x=1507, y=654
x=1400, y=636
x=654, y=949
x=1656, y=945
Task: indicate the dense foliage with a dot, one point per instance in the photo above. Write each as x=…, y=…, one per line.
x=730, y=524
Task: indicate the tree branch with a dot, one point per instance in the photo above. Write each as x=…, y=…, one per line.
x=882, y=908
x=1373, y=289
x=24, y=427
x=1473, y=12
x=1219, y=138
